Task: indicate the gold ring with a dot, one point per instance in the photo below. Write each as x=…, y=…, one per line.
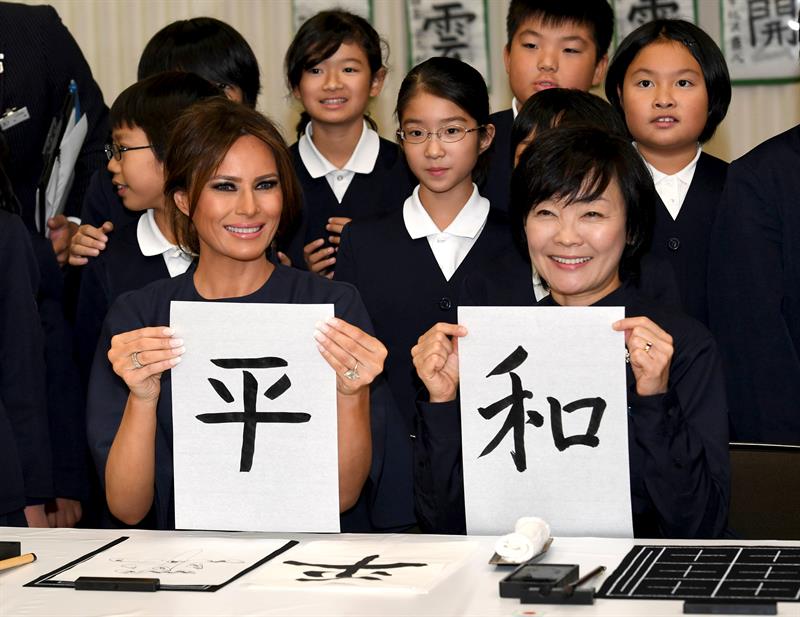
x=647, y=346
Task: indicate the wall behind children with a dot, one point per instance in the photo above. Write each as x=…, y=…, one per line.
x=112, y=34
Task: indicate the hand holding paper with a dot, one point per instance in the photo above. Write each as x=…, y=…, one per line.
x=140, y=356
x=650, y=350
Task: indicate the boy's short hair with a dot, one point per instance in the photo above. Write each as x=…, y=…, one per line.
x=206, y=46
x=564, y=107
x=597, y=15
x=576, y=164
x=700, y=45
x=155, y=103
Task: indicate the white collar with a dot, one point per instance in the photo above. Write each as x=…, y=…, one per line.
x=151, y=240
x=467, y=224
x=685, y=175
x=362, y=160
x=515, y=107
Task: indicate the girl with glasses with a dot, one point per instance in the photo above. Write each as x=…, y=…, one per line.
x=409, y=264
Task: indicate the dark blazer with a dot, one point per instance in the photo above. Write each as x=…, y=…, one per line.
x=677, y=442
x=406, y=294
x=497, y=185
x=41, y=58
x=25, y=459
x=754, y=290
x=684, y=242
x=121, y=267
x=383, y=190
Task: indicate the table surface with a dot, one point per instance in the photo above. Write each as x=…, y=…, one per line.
x=471, y=590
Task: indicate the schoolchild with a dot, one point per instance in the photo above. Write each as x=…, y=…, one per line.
x=202, y=45
x=143, y=250
x=582, y=206
x=409, y=264
x=551, y=44
x=670, y=81
x=334, y=67
x=230, y=186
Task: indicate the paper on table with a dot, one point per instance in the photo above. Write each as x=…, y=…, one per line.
x=556, y=356
x=177, y=561
x=369, y=565
x=260, y=363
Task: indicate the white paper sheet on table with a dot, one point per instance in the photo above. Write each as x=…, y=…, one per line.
x=572, y=354
x=412, y=567
x=292, y=484
x=195, y=561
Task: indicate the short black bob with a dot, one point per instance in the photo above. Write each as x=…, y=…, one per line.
x=564, y=107
x=596, y=15
x=702, y=48
x=208, y=47
x=576, y=164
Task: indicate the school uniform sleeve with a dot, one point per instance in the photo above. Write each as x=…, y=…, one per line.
x=26, y=476
x=92, y=309
x=682, y=439
x=345, y=257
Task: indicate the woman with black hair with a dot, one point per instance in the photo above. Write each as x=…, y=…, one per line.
x=582, y=206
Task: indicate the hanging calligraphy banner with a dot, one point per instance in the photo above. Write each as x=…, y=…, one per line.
x=544, y=419
x=760, y=40
x=253, y=419
x=457, y=29
x=630, y=14
x=303, y=9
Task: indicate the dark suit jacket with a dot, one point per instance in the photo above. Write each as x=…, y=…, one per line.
x=41, y=58
x=754, y=290
x=684, y=242
x=497, y=185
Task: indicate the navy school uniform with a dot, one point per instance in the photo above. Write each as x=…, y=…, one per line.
x=406, y=293
x=678, y=441
x=121, y=267
x=383, y=190
x=25, y=460
x=150, y=306
x=497, y=185
x=754, y=290
x=683, y=242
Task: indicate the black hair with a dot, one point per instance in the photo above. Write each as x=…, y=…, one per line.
x=154, y=104
x=205, y=46
x=564, y=107
x=700, y=45
x=319, y=38
x=597, y=15
x=576, y=164
x=455, y=81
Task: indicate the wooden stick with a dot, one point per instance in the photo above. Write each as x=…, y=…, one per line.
x=13, y=562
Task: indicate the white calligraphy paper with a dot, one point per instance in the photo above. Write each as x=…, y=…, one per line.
x=630, y=14
x=254, y=419
x=302, y=10
x=197, y=561
x=544, y=419
x=455, y=29
x=371, y=564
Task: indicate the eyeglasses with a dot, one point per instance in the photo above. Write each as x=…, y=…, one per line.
x=116, y=151
x=448, y=134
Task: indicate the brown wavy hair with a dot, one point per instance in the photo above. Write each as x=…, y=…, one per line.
x=199, y=142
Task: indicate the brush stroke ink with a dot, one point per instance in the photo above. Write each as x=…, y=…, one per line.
x=377, y=570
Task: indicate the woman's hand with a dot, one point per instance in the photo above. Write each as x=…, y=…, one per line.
x=356, y=356
x=650, y=350
x=140, y=356
x=435, y=357
x=87, y=242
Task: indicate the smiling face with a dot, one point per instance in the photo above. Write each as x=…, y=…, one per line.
x=577, y=247
x=139, y=177
x=665, y=100
x=338, y=89
x=543, y=56
x=239, y=208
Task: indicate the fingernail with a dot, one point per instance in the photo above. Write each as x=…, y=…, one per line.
x=321, y=348
x=319, y=335
x=179, y=350
x=175, y=360
x=168, y=332
x=322, y=326
x=332, y=321
x=176, y=342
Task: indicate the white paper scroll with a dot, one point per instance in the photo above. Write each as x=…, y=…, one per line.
x=380, y=564
x=630, y=14
x=560, y=452
x=254, y=419
x=302, y=10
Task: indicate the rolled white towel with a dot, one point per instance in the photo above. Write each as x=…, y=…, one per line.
x=528, y=539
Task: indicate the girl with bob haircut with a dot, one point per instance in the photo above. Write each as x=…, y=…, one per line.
x=335, y=67
x=582, y=206
x=445, y=230
x=230, y=188
x=670, y=82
